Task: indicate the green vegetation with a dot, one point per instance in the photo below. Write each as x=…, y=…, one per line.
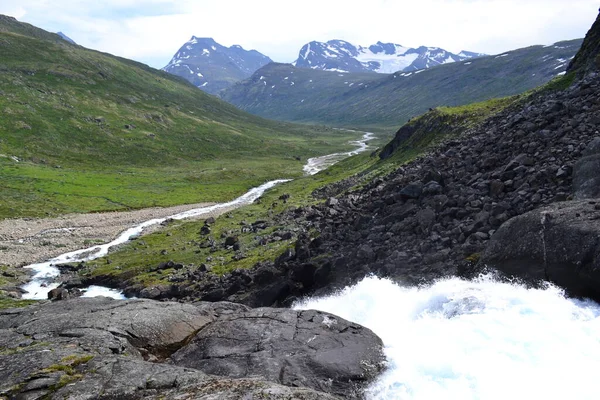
x=439, y=124
x=83, y=131
x=383, y=101
x=181, y=241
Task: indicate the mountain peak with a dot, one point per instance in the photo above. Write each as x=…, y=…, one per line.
x=212, y=66
x=342, y=56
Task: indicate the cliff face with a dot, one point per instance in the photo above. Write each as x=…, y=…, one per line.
x=588, y=58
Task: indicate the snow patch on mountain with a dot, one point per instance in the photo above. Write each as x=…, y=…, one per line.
x=342, y=56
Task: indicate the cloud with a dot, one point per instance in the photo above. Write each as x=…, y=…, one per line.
x=152, y=30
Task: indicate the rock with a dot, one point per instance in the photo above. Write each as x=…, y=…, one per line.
x=59, y=294
x=557, y=243
x=112, y=349
x=412, y=191
x=586, y=176
x=231, y=240
x=496, y=187
x=295, y=348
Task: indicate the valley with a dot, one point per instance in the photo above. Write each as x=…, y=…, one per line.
x=429, y=233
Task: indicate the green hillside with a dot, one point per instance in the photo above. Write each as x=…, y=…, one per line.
x=85, y=131
x=288, y=93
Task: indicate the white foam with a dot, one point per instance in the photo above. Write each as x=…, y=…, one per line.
x=97, y=291
x=481, y=339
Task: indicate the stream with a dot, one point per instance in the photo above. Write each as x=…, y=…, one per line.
x=45, y=273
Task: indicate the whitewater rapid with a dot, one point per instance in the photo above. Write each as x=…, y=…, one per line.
x=45, y=273
x=480, y=339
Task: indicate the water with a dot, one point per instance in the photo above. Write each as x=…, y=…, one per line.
x=317, y=164
x=42, y=281
x=45, y=273
x=480, y=339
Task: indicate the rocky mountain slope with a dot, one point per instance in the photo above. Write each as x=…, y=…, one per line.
x=213, y=67
x=386, y=58
x=284, y=92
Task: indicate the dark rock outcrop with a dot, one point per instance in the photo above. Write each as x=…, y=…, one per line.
x=559, y=243
x=294, y=348
x=588, y=58
x=108, y=349
x=586, y=172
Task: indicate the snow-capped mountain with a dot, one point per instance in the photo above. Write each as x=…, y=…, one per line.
x=213, y=67
x=386, y=58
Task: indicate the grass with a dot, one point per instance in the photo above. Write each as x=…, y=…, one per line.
x=84, y=131
x=182, y=242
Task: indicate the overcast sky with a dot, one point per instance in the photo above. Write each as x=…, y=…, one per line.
x=152, y=31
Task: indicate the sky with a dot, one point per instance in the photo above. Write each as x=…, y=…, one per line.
x=151, y=31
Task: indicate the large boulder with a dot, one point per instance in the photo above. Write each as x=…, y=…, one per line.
x=294, y=348
x=586, y=172
x=558, y=243
x=111, y=349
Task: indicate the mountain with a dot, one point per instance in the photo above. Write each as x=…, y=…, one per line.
x=289, y=93
x=342, y=56
x=68, y=39
x=85, y=131
x=213, y=67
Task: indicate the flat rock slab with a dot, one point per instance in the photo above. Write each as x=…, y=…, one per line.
x=102, y=348
x=295, y=348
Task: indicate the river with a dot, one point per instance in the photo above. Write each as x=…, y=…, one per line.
x=46, y=273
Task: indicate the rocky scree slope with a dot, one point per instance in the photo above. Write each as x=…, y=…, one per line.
x=284, y=92
x=342, y=56
x=434, y=216
x=141, y=349
x=213, y=67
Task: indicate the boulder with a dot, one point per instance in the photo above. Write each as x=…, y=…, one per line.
x=558, y=243
x=294, y=348
x=586, y=176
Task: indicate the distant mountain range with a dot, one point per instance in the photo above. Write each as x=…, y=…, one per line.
x=213, y=67
x=342, y=56
x=366, y=99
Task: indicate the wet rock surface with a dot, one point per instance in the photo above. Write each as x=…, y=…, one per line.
x=107, y=349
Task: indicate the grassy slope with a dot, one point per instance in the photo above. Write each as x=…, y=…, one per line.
x=369, y=100
x=65, y=147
